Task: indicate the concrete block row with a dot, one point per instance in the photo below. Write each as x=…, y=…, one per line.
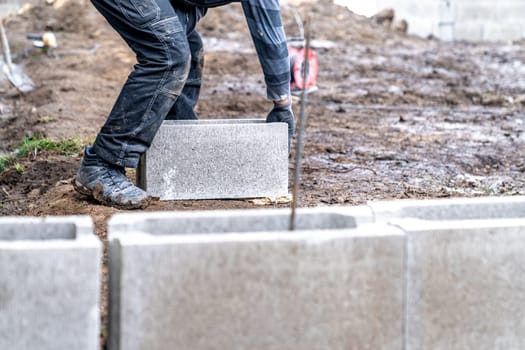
x=390, y=275
x=50, y=275
x=216, y=159
x=239, y=280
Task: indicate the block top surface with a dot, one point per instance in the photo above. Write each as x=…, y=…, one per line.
x=35, y=229
x=492, y=225
x=214, y=122
x=452, y=209
x=311, y=237
x=236, y=221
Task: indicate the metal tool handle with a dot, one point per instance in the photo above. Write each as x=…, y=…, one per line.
x=5, y=46
x=35, y=36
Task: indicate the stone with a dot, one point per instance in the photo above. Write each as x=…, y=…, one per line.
x=465, y=282
x=50, y=277
x=451, y=209
x=216, y=159
x=240, y=280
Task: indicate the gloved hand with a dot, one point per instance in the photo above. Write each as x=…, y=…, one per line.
x=283, y=114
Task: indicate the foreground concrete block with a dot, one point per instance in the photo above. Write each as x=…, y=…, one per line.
x=213, y=159
x=451, y=209
x=239, y=280
x=465, y=283
x=50, y=278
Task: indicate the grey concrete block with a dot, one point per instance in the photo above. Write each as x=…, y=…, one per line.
x=50, y=277
x=465, y=283
x=214, y=159
x=451, y=209
x=239, y=280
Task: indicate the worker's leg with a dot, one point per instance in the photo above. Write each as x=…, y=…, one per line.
x=185, y=104
x=156, y=32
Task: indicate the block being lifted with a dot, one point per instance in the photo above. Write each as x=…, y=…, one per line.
x=216, y=159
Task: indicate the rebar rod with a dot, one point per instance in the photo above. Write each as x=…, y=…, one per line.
x=302, y=125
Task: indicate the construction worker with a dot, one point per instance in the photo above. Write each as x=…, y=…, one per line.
x=165, y=84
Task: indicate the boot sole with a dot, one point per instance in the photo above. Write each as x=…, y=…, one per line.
x=96, y=194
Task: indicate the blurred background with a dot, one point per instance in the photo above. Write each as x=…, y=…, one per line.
x=453, y=19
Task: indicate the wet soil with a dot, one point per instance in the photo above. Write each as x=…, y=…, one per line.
x=396, y=116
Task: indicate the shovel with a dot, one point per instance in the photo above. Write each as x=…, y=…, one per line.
x=14, y=72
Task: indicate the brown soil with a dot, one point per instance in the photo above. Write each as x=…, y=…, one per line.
x=396, y=116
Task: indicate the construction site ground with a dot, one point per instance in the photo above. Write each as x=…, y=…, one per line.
x=396, y=116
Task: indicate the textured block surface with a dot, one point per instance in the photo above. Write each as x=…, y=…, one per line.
x=49, y=284
x=213, y=159
x=451, y=209
x=465, y=283
x=336, y=287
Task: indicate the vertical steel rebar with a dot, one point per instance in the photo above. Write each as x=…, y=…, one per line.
x=302, y=125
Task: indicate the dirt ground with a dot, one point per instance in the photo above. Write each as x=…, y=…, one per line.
x=396, y=116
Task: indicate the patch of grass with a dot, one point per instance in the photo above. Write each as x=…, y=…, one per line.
x=6, y=161
x=20, y=169
x=33, y=146
x=47, y=119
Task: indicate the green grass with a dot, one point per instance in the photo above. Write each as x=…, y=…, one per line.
x=20, y=169
x=33, y=146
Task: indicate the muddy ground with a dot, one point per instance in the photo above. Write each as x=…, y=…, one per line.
x=396, y=116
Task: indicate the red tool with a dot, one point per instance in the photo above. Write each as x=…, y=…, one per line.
x=298, y=60
x=297, y=66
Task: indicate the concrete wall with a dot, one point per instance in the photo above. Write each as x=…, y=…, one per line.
x=239, y=280
x=400, y=275
x=462, y=19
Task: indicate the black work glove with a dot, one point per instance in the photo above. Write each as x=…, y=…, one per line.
x=283, y=114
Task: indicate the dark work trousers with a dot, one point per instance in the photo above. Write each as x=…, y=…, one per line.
x=164, y=84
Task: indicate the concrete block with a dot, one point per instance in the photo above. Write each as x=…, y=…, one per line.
x=239, y=280
x=50, y=277
x=451, y=209
x=216, y=159
x=465, y=282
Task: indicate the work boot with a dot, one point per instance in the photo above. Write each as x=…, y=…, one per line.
x=108, y=184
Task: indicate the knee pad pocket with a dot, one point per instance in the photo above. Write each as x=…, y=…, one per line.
x=140, y=12
x=168, y=28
